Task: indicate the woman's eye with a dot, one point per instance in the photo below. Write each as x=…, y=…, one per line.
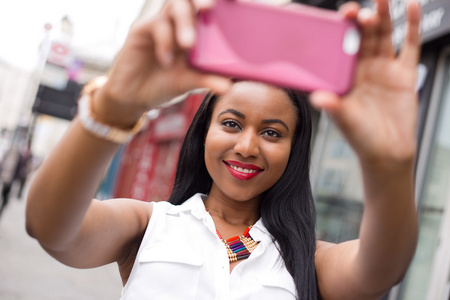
x=272, y=133
x=231, y=124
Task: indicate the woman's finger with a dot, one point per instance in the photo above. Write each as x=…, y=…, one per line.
x=203, y=4
x=367, y=22
x=163, y=36
x=218, y=84
x=384, y=31
x=350, y=10
x=193, y=79
x=324, y=100
x=182, y=14
x=410, y=52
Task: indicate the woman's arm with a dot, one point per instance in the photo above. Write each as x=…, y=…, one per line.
x=378, y=118
x=366, y=268
x=60, y=213
x=151, y=68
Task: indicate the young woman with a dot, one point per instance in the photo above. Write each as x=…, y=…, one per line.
x=243, y=171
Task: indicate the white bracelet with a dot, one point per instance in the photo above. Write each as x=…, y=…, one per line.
x=101, y=130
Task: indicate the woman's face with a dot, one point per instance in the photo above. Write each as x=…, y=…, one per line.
x=249, y=140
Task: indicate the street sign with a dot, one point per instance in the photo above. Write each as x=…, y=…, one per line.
x=58, y=103
x=435, y=19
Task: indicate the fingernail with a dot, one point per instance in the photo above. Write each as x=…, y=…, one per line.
x=188, y=36
x=365, y=13
x=316, y=99
x=202, y=4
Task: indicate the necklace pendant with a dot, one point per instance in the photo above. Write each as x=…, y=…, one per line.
x=239, y=247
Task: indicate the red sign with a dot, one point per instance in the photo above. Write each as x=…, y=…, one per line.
x=60, y=54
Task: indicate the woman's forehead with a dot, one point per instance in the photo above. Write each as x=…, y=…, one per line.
x=258, y=89
x=256, y=96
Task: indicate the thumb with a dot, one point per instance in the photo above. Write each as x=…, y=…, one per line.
x=341, y=113
x=216, y=83
x=327, y=101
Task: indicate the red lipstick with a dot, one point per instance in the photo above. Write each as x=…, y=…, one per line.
x=242, y=171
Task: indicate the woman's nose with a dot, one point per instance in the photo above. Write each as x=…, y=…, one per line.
x=247, y=144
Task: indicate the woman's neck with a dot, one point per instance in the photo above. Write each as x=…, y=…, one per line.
x=231, y=212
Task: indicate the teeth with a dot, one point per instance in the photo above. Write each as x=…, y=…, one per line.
x=239, y=169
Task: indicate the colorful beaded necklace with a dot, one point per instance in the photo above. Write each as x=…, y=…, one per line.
x=239, y=247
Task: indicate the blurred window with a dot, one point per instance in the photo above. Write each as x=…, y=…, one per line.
x=337, y=186
x=428, y=275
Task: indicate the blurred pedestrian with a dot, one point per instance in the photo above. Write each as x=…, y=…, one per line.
x=9, y=171
x=25, y=166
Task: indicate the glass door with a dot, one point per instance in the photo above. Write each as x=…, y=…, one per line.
x=428, y=275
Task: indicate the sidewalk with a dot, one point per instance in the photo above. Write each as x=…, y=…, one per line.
x=27, y=272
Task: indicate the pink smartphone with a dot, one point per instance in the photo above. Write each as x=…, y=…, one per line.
x=296, y=46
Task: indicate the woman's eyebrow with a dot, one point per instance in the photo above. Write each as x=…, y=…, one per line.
x=234, y=112
x=271, y=121
x=242, y=116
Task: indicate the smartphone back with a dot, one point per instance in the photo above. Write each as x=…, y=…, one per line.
x=300, y=47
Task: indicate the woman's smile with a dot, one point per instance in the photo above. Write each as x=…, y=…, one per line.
x=242, y=171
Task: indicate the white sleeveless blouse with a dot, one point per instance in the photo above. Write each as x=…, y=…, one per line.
x=181, y=258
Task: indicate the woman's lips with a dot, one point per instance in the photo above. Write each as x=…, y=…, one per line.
x=242, y=171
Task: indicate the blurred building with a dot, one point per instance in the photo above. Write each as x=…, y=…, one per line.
x=63, y=69
x=14, y=85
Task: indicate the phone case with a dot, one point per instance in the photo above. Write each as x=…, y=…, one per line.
x=294, y=46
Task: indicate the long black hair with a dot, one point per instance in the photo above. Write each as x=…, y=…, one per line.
x=287, y=208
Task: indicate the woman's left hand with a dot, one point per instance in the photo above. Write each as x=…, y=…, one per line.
x=378, y=116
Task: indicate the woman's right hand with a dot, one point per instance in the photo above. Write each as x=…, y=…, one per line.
x=152, y=67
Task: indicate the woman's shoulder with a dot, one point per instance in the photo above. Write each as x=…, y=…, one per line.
x=193, y=204
x=323, y=245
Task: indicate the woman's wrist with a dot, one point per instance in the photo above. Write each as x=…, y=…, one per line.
x=108, y=110
x=105, y=118
x=388, y=165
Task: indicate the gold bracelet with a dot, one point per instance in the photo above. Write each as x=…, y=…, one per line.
x=101, y=130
